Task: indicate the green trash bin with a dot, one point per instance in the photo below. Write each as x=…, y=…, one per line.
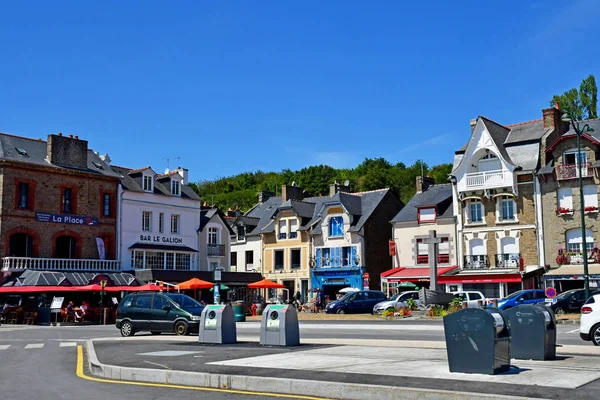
x=239, y=311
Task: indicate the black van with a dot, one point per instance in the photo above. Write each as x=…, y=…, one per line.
x=157, y=313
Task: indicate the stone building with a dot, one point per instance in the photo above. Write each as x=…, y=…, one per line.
x=561, y=199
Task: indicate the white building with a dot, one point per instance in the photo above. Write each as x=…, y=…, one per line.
x=159, y=217
x=215, y=240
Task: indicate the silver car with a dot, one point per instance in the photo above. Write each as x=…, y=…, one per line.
x=398, y=300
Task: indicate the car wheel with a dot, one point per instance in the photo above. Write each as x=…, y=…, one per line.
x=341, y=311
x=559, y=311
x=181, y=328
x=155, y=333
x=126, y=329
x=595, y=334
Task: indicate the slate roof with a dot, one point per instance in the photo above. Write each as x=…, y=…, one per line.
x=131, y=184
x=206, y=214
x=263, y=212
x=435, y=195
x=499, y=135
x=525, y=132
x=593, y=123
x=36, y=150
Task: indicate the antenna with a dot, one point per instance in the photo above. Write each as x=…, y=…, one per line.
x=169, y=160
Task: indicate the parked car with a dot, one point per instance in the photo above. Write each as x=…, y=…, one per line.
x=357, y=302
x=471, y=298
x=589, y=325
x=398, y=300
x=531, y=296
x=569, y=301
x=158, y=313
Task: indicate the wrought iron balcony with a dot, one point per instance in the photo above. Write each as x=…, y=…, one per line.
x=476, y=262
x=215, y=250
x=59, y=264
x=293, y=235
x=571, y=171
x=576, y=258
x=508, y=261
x=282, y=235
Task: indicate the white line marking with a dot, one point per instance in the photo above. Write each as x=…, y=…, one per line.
x=67, y=344
x=160, y=365
x=34, y=346
x=573, y=331
x=4, y=346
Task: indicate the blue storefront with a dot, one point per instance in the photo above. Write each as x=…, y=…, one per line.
x=336, y=268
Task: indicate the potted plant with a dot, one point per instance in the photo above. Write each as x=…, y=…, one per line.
x=590, y=209
x=563, y=211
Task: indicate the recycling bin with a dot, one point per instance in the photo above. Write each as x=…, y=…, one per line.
x=533, y=330
x=217, y=325
x=279, y=326
x=478, y=341
x=239, y=311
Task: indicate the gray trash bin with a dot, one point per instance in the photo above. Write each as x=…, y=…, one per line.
x=217, y=325
x=478, y=341
x=279, y=326
x=533, y=329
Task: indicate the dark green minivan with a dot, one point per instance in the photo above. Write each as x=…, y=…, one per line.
x=157, y=313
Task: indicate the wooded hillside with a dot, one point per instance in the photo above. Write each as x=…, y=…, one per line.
x=242, y=189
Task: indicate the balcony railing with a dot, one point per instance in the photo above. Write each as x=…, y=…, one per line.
x=508, y=261
x=282, y=236
x=488, y=179
x=59, y=264
x=293, y=235
x=476, y=262
x=215, y=250
x=442, y=259
x=576, y=258
x=571, y=171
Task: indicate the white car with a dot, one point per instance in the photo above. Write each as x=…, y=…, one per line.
x=398, y=300
x=589, y=325
x=471, y=298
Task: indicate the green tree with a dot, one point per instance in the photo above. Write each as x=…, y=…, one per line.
x=582, y=103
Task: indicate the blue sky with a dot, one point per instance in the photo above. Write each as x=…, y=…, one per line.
x=239, y=86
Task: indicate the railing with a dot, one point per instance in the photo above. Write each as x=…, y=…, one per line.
x=249, y=267
x=59, y=264
x=476, y=262
x=442, y=259
x=293, y=235
x=571, y=171
x=282, y=235
x=215, y=250
x=508, y=261
x=486, y=179
x=576, y=258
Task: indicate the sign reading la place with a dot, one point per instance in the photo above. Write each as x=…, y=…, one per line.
x=160, y=239
x=66, y=219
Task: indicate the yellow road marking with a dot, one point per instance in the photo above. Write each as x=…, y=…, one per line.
x=82, y=375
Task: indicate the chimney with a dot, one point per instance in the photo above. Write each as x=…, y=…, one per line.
x=336, y=187
x=67, y=151
x=473, y=123
x=423, y=183
x=183, y=172
x=230, y=212
x=264, y=196
x=293, y=192
x=104, y=157
x=552, y=120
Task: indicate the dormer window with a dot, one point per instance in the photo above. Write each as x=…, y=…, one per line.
x=148, y=183
x=336, y=226
x=427, y=215
x=489, y=156
x=175, y=188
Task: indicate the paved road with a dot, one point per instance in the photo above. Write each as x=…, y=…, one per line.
x=40, y=363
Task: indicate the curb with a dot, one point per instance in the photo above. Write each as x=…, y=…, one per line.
x=298, y=387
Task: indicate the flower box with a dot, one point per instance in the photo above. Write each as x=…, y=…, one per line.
x=590, y=209
x=564, y=211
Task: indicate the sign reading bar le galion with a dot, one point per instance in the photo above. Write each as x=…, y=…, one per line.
x=66, y=219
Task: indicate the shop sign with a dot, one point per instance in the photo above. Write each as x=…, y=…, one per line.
x=66, y=219
x=161, y=239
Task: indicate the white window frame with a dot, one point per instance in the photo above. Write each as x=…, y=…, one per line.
x=175, y=187
x=147, y=179
x=147, y=215
x=430, y=214
x=214, y=232
x=590, y=199
x=500, y=209
x=175, y=224
x=575, y=153
x=574, y=241
x=468, y=213
x=568, y=202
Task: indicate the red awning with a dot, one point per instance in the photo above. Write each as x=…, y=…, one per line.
x=481, y=278
x=84, y=288
x=266, y=284
x=404, y=274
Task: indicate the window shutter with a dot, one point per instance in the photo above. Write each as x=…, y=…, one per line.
x=422, y=248
x=565, y=198
x=293, y=225
x=590, y=196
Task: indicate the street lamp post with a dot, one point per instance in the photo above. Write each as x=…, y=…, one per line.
x=568, y=117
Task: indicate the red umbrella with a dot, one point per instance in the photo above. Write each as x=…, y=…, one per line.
x=266, y=284
x=195, y=283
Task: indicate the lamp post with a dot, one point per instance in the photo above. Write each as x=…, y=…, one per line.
x=568, y=117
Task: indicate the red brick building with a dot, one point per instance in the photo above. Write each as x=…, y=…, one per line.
x=58, y=199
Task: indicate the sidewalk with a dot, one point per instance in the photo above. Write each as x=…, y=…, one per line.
x=411, y=370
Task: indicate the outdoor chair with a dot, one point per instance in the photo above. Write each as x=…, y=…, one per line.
x=12, y=318
x=31, y=318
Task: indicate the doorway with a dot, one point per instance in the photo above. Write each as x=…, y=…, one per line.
x=331, y=291
x=291, y=290
x=20, y=245
x=66, y=247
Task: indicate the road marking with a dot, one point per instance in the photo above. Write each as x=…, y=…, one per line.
x=34, y=346
x=573, y=331
x=169, y=353
x=4, y=346
x=67, y=344
x=82, y=375
x=160, y=365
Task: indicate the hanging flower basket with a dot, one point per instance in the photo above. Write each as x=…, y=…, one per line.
x=590, y=209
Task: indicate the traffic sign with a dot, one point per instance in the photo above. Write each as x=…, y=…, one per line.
x=366, y=276
x=550, y=292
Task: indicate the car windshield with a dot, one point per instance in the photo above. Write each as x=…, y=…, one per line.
x=184, y=301
x=395, y=297
x=514, y=295
x=566, y=294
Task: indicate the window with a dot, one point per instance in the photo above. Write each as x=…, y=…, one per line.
x=20, y=245
x=143, y=301
x=183, y=262
x=590, y=197
x=427, y=215
x=489, y=156
x=474, y=296
x=127, y=302
x=169, y=261
x=565, y=198
x=279, y=259
x=65, y=247
x=161, y=222
x=346, y=256
x=148, y=183
x=444, y=251
x=213, y=266
x=67, y=200
x=23, y=195
x=174, y=223
x=570, y=157
x=336, y=226
x=175, y=188
x=146, y=221
x=575, y=241
x=293, y=229
x=160, y=302
x=213, y=235
x=106, y=205
x=422, y=252
x=241, y=232
x=283, y=229
x=233, y=261
x=249, y=260
x=295, y=256
x=155, y=259
x=475, y=212
x=507, y=208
